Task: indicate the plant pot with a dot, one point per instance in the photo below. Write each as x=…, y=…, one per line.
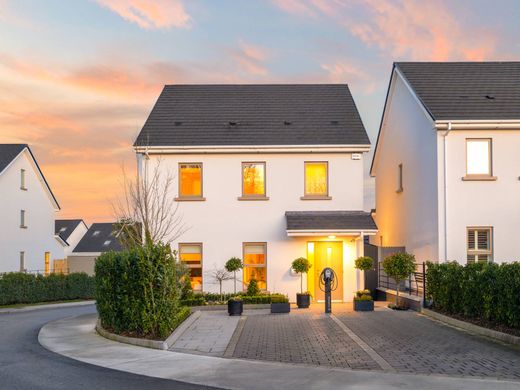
x=235, y=308
x=303, y=301
x=363, y=305
x=282, y=307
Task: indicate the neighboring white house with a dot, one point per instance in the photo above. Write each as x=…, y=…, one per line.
x=99, y=238
x=447, y=161
x=27, y=213
x=70, y=232
x=266, y=173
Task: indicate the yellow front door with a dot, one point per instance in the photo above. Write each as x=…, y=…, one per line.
x=328, y=254
x=47, y=262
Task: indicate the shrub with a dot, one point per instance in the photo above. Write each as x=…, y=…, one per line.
x=138, y=291
x=301, y=266
x=19, y=287
x=252, y=288
x=279, y=299
x=364, y=263
x=363, y=297
x=193, y=301
x=399, y=266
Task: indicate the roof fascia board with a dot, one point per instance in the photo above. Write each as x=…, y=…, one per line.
x=325, y=232
x=61, y=240
x=77, y=254
x=253, y=149
x=478, y=125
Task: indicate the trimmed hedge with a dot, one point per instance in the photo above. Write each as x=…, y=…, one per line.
x=485, y=291
x=19, y=287
x=138, y=291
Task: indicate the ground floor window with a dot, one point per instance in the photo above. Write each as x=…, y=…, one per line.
x=255, y=263
x=480, y=247
x=191, y=255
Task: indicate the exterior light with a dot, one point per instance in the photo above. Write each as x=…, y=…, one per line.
x=332, y=237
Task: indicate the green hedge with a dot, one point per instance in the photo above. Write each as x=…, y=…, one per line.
x=484, y=291
x=18, y=287
x=138, y=291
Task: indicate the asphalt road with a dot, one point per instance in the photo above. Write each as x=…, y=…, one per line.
x=25, y=364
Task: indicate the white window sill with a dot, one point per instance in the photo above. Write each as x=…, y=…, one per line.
x=316, y=197
x=190, y=199
x=479, y=178
x=253, y=198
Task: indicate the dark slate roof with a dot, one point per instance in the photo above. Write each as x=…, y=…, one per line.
x=265, y=114
x=8, y=152
x=65, y=227
x=95, y=238
x=466, y=90
x=329, y=220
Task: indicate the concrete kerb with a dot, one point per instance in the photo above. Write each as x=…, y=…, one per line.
x=46, y=306
x=472, y=328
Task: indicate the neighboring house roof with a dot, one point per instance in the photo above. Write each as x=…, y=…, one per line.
x=9, y=153
x=466, y=90
x=329, y=220
x=99, y=238
x=65, y=227
x=254, y=115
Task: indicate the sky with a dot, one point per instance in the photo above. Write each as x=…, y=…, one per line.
x=79, y=77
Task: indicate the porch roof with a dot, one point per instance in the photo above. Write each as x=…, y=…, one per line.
x=340, y=222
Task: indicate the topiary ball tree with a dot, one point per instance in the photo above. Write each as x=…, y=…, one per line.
x=399, y=266
x=233, y=265
x=301, y=266
x=364, y=263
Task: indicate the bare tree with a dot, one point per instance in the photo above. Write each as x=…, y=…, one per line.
x=220, y=275
x=148, y=211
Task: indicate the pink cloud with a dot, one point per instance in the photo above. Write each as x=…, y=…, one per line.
x=251, y=58
x=158, y=14
x=355, y=75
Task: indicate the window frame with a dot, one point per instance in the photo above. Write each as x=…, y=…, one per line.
x=400, y=187
x=195, y=198
x=480, y=176
x=190, y=266
x=244, y=244
x=479, y=252
x=23, y=181
x=306, y=196
x=22, y=261
x=254, y=196
x=23, y=219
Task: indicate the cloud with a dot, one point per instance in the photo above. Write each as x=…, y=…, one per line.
x=356, y=76
x=147, y=14
x=250, y=58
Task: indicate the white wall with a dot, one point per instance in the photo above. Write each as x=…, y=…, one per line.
x=484, y=203
x=222, y=223
x=408, y=218
x=38, y=237
x=75, y=237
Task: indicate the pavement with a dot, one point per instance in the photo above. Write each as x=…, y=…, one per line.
x=76, y=338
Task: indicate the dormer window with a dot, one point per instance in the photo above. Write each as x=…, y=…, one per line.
x=22, y=180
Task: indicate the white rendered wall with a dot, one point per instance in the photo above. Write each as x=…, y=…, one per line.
x=222, y=222
x=409, y=218
x=75, y=237
x=38, y=237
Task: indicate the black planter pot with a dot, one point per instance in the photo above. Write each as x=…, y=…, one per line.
x=303, y=301
x=363, y=305
x=235, y=308
x=283, y=307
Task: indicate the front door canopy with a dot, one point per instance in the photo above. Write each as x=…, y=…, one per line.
x=327, y=223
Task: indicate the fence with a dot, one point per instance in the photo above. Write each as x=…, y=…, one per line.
x=415, y=284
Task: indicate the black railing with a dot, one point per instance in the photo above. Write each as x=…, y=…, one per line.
x=415, y=284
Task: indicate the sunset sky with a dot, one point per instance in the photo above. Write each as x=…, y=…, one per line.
x=78, y=77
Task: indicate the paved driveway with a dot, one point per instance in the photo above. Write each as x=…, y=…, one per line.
x=385, y=339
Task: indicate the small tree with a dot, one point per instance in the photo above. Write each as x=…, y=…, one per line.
x=220, y=275
x=301, y=266
x=399, y=266
x=233, y=265
x=252, y=288
x=364, y=263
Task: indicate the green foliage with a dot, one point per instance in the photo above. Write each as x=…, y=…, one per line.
x=364, y=263
x=19, y=287
x=234, y=264
x=363, y=298
x=301, y=265
x=485, y=291
x=279, y=298
x=138, y=291
x=193, y=301
x=399, y=266
x=252, y=288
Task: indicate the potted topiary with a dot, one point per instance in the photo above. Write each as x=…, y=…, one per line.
x=363, y=301
x=280, y=304
x=301, y=266
x=399, y=266
x=235, y=306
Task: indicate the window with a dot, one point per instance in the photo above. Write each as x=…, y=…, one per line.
x=191, y=255
x=253, y=180
x=22, y=179
x=480, y=244
x=316, y=180
x=190, y=181
x=478, y=157
x=22, y=219
x=255, y=265
x=400, y=178
x=22, y=261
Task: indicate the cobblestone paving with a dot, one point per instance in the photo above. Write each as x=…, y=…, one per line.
x=413, y=343
x=300, y=338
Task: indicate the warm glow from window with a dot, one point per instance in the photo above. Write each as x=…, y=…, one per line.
x=191, y=255
x=255, y=265
x=478, y=156
x=316, y=178
x=190, y=180
x=253, y=176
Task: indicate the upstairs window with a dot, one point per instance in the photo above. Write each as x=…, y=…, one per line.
x=253, y=180
x=22, y=179
x=480, y=244
x=478, y=157
x=22, y=219
x=190, y=181
x=316, y=180
x=191, y=256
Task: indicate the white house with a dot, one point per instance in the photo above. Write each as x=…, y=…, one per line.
x=70, y=231
x=447, y=161
x=266, y=173
x=27, y=213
